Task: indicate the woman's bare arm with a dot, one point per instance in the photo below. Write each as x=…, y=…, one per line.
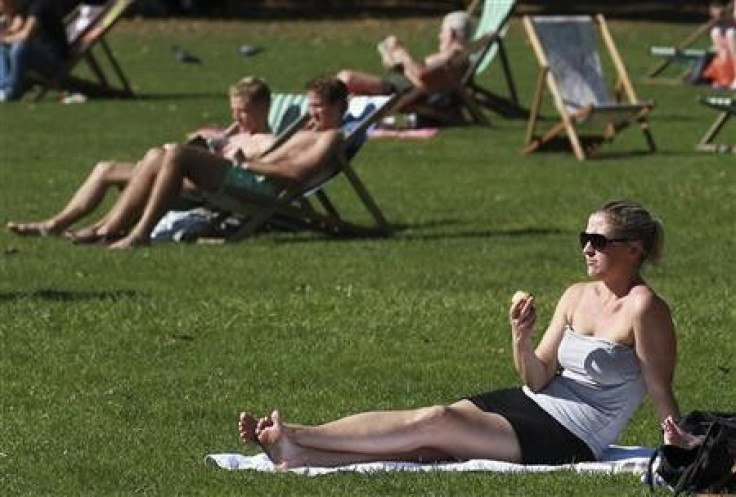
x=656, y=349
x=537, y=366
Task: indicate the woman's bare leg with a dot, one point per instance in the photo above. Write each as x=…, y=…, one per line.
x=86, y=199
x=460, y=431
x=203, y=169
x=130, y=203
x=323, y=458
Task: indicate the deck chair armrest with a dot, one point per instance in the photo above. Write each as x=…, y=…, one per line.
x=623, y=106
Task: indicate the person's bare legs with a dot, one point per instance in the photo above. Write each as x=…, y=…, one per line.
x=731, y=46
x=129, y=205
x=86, y=199
x=360, y=83
x=460, y=431
x=205, y=170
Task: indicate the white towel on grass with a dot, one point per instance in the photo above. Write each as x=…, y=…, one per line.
x=617, y=459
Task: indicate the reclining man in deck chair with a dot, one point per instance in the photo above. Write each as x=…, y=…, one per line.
x=434, y=74
x=249, y=105
x=294, y=161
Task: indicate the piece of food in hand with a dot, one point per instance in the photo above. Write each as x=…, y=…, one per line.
x=519, y=296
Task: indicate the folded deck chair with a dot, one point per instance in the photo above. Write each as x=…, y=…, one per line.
x=679, y=53
x=295, y=208
x=570, y=69
x=86, y=27
x=727, y=108
x=494, y=18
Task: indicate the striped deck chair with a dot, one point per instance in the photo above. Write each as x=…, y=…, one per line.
x=494, y=18
x=307, y=205
x=570, y=69
x=285, y=109
x=727, y=108
x=86, y=27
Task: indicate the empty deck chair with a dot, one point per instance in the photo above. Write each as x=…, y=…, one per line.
x=727, y=109
x=570, y=69
x=87, y=26
x=307, y=205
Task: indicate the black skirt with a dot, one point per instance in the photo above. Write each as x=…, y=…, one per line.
x=543, y=440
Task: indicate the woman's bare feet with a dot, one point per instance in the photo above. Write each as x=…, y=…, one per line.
x=273, y=438
x=41, y=228
x=674, y=435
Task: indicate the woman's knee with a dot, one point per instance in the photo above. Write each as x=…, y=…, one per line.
x=432, y=417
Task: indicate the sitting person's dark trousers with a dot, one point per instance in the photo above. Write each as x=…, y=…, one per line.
x=34, y=42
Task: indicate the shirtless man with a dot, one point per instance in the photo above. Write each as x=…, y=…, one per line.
x=294, y=161
x=434, y=74
x=250, y=99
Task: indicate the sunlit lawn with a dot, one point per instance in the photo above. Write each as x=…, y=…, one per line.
x=120, y=371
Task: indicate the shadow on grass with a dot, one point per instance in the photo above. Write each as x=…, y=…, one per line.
x=398, y=235
x=180, y=96
x=50, y=295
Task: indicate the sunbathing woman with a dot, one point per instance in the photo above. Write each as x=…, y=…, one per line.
x=250, y=100
x=612, y=338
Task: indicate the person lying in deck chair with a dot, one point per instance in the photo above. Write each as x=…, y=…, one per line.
x=433, y=75
x=249, y=105
x=295, y=160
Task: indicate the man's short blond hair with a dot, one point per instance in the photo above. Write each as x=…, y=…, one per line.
x=252, y=90
x=460, y=23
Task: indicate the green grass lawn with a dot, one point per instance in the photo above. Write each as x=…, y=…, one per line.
x=120, y=371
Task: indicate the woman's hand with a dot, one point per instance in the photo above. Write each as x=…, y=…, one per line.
x=674, y=435
x=522, y=316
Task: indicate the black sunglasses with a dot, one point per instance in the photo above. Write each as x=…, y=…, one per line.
x=597, y=241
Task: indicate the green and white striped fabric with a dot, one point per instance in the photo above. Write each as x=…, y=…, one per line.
x=285, y=109
x=493, y=18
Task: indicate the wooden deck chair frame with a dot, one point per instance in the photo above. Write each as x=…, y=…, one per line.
x=412, y=100
x=584, y=145
x=506, y=106
x=81, y=49
x=657, y=69
x=293, y=208
x=727, y=108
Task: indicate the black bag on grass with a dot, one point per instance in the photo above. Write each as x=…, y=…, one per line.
x=709, y=466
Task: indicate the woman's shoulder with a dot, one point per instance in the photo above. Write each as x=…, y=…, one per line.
x=577, y=290
x=644, y=300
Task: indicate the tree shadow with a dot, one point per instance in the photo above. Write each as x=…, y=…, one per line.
x=51, y=295
x=398, y=234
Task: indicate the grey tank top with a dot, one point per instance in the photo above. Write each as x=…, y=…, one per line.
x=597, y=392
